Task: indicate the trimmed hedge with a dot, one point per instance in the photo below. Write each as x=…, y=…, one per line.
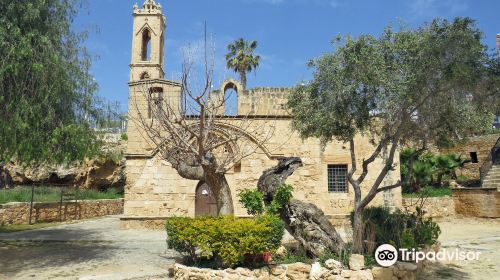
x=226, y=240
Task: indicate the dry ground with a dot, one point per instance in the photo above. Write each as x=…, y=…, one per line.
x=98, y=249
x=93, y=249
x=469, y=234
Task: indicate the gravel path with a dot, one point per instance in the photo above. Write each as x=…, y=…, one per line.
x=93, y=249
x=481, y=235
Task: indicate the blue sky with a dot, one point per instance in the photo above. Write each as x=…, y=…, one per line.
x=289, y=32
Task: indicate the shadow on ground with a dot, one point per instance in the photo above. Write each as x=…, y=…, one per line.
x=45, y=252
x=93, y=249
x=435, y=271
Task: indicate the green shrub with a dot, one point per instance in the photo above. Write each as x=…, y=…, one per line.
x=226, y=239
x=253, y=201
x=400, y=229
x=124, y=137
x=277, y=229
x=462, y=180
x=281, y=198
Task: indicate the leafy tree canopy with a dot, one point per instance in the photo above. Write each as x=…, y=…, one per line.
x=409, y=87
x=434, y=83
x=47, y=94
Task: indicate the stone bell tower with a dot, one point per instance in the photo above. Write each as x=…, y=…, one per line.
x=148, y=42
x=147, y=71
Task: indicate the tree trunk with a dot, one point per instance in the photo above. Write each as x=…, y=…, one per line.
x=311, y=228
x=243, y=78
x=5, y=178
x=191, y=169
x=357, y=232
x=305, y=221
x=219, y=186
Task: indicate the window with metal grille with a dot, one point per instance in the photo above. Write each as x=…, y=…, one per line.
x=337, y=178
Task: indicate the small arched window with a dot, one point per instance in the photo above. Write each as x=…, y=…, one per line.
x=146, y=45
x=144, y=76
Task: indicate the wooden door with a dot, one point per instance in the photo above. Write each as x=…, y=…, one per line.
x=205, y=204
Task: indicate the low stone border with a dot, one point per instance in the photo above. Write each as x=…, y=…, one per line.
x=17, y=213
x=295, y=271
x=477, y=202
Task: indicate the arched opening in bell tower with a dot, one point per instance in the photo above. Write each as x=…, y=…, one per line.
x=146, y=45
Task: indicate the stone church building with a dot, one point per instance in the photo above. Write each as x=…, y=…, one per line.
x=155, y=191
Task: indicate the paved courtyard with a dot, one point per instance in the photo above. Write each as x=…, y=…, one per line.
x=93, y=249
x=482, y=235
x=98, y=249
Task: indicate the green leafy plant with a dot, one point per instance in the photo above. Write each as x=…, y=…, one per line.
x=400, y=229
x=253, y=201
x=281, y=198
x=428, y=169
x=225, y=239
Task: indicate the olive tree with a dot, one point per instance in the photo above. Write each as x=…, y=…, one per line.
x=409, y=87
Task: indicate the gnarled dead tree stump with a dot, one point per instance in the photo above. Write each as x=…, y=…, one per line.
x=305, y=221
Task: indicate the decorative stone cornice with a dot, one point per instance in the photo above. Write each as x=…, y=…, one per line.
x=148, y=7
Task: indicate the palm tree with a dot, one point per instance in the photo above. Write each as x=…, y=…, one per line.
x=241, y=58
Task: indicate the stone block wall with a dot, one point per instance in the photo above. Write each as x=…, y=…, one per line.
x=262, y=101
x=481, y=145
x=435, y=207
x=154, y=189
x=477, y=202
x=17, y=213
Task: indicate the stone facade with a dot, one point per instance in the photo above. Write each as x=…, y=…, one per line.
x=434, y=207
x=17, y=213
x=480, y=145
x=155, y=191
x=477, y=202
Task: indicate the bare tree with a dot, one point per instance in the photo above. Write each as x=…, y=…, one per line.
x=193, y=134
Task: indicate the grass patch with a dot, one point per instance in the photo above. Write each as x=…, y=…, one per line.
x=429, y=192
x=293, y=255
x=16, y=228
x=52, y=194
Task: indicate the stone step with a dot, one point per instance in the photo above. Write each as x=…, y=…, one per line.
x=488, y=178
x=493, y=181
x=493, y=172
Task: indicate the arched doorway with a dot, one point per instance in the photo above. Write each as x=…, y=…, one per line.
x=205, y=203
